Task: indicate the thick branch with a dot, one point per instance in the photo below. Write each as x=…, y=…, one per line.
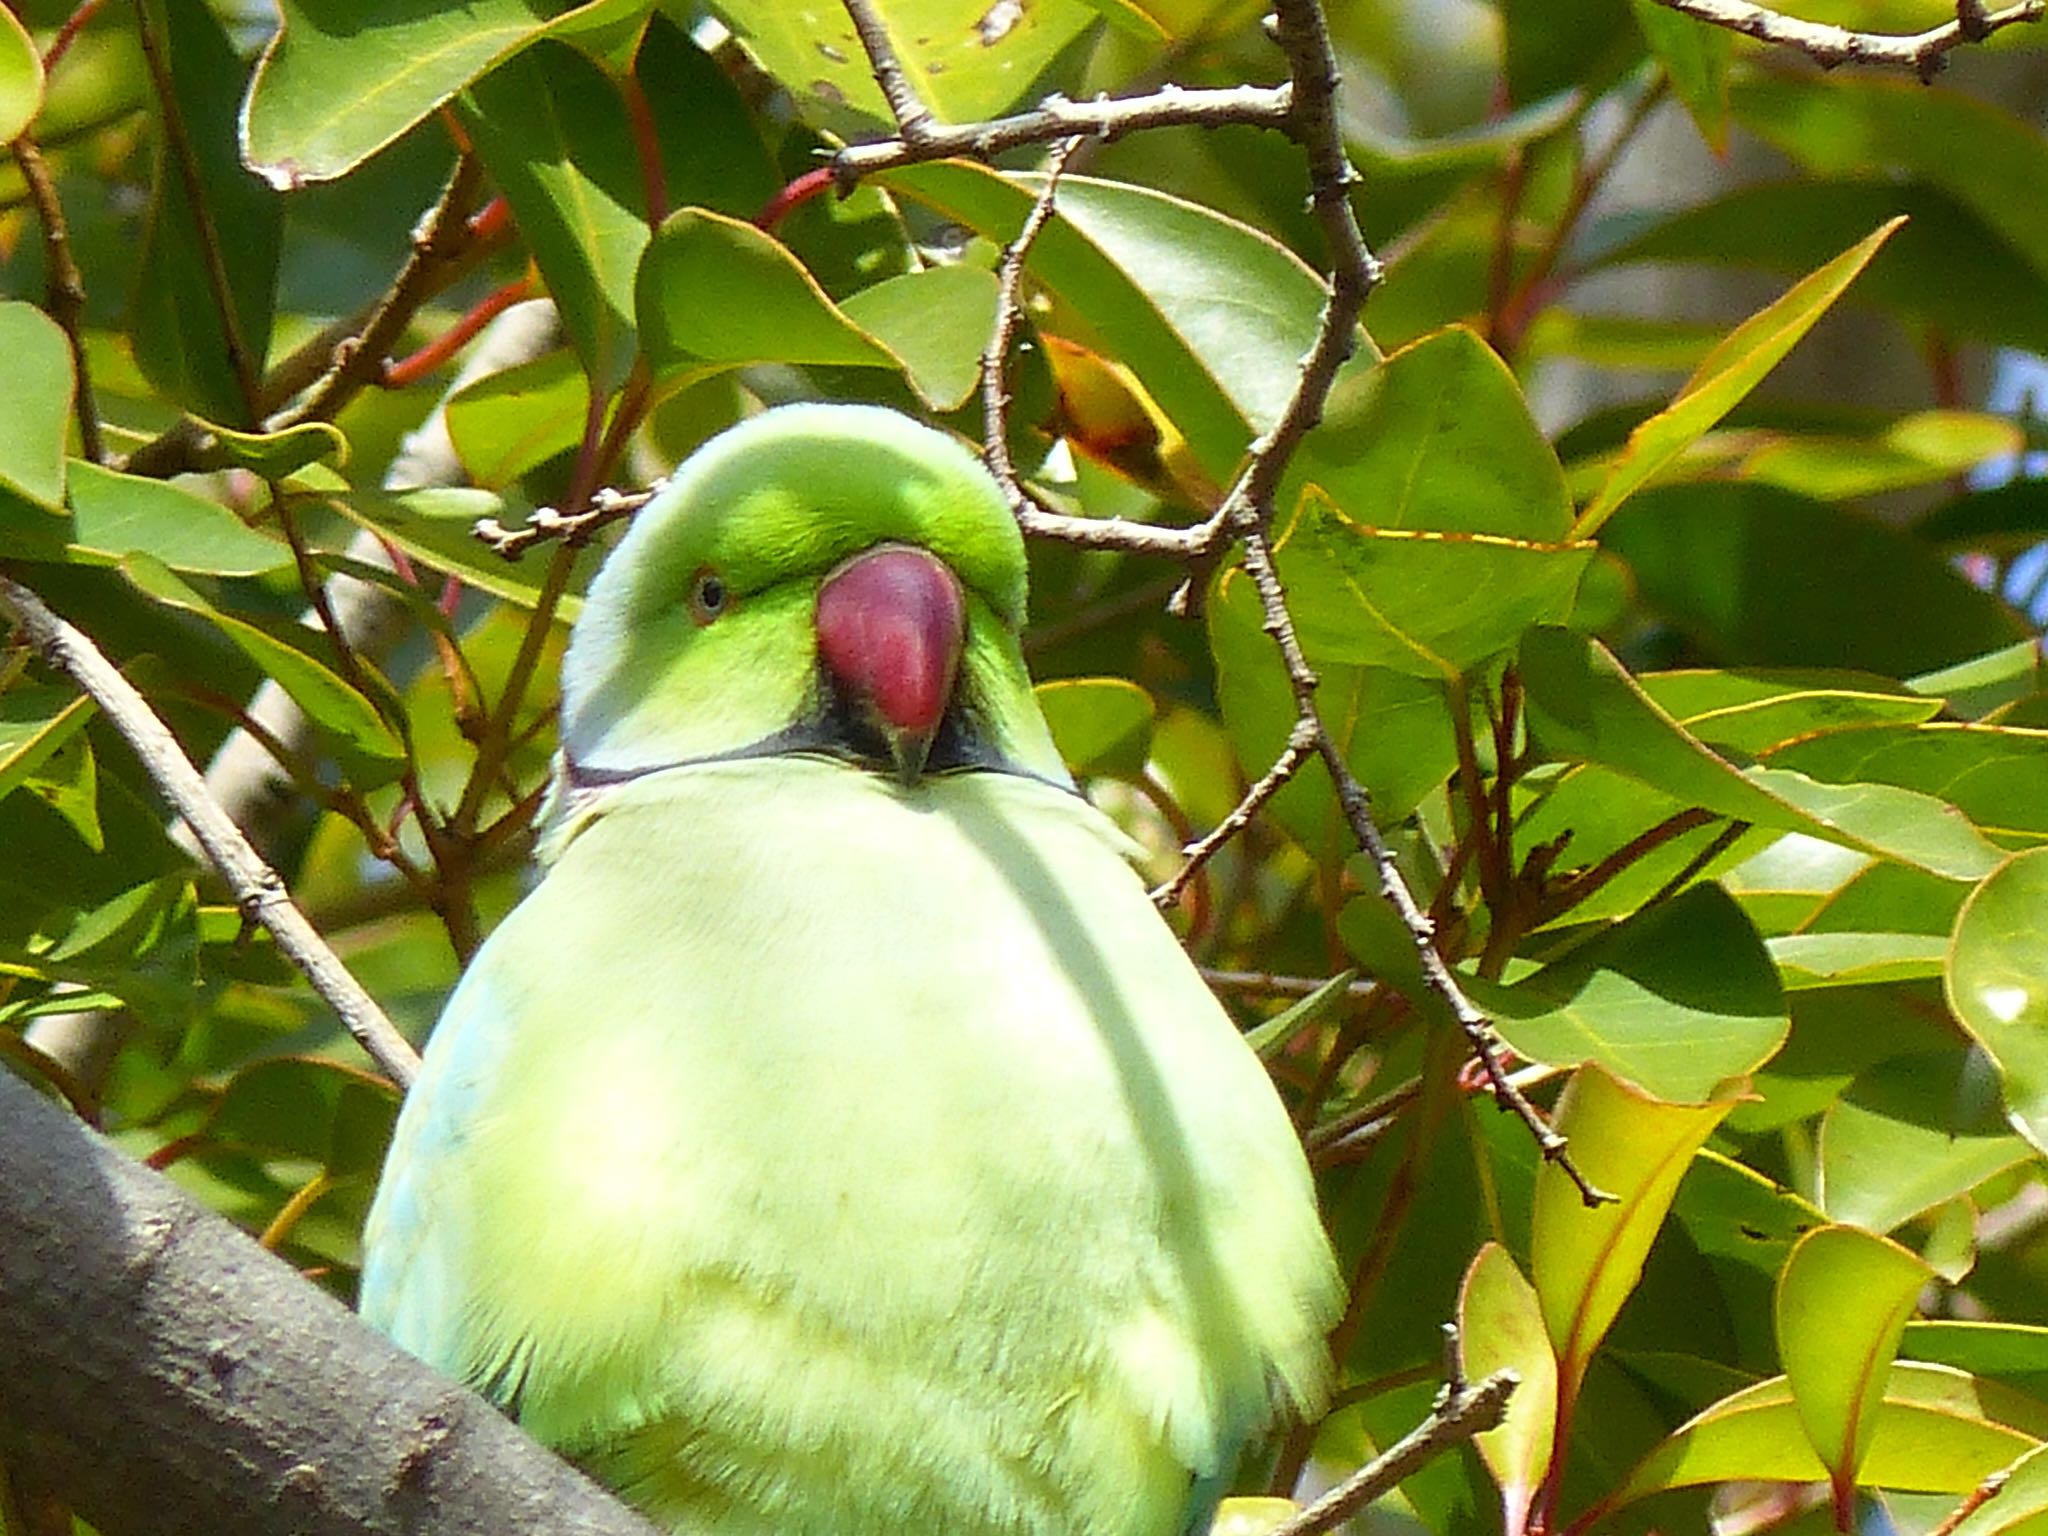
x=1923, y=53
x=165, y=1373
x=256, y=887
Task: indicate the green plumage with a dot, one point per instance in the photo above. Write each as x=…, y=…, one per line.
x=814, y=1153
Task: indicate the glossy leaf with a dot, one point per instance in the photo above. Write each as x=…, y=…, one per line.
x=508, y=423
x=1970, y=148
x=1947, y=268
x=35, y=398
x=1102, y=725
x=1584, y=704
x=437, y=528
x=1841, y=1304
x=185, y=344
x=1587, y=1259
x=343, y=78
x=35, y=723
x=272, y=455
x=937, y=322
x=1757, y=576
x=21, y=79
x=1998, y=984
x=716, y=290
x=1500, y=1327
x=351, y=721
x=2019, y=1504
x=552, y=132
x=1926, y=448
x=1753, y=710
x=1848, y=958
x=115, y=515
x=1937, y=1430
x=1996, y=775
x=1212, y=317
x=1908, y=1135
x=965, y=58
x=1729, y=373
x=1676, y=1001
x=1394, y=729
x=1695, y=57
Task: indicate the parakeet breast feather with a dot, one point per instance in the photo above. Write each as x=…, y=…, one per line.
x=814, y=1153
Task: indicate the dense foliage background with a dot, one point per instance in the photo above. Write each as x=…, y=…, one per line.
x=1708, y=725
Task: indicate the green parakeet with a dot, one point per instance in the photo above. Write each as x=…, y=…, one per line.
x=836, y=1140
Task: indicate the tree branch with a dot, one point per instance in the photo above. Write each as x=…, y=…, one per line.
x=1924, y=53
x=255, y=885
x=1461, y=1412
x=165, y=1373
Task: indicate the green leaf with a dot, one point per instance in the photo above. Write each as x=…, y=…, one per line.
x=115, y=515
x=21, y=78
x=303, y=1107
x=938, y=322
x=1996, y=775
x=711, y=149
x=1695, y=58
x=35, y=398
x=1757, y=576
x=1947, y=270
x=1998, y=984
x=1753, y=710
x=1678, y=1000
x=271, y=455
x=1587, y=1259
x=1729, y=373
x=34, y=724
x=1500, y=1327
x=1269, y=1038
x=351, y=721
x=437, y=528
x=1848, y=959
x=1909, y=1135
x=1583, y=703
x=1841, y=1305
x=1437, y=440
x=507, y=423
x=1102, y=725
x=965, y=59
x=1212, y=316
x=552, y=131
x=230, y=237
x=343, y=78
x=1925, y=448
x=1394, y=730
x=1936, y=1431
x=716, y=290
x=1972, y=149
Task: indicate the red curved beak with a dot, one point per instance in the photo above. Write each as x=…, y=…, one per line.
x=891, y=624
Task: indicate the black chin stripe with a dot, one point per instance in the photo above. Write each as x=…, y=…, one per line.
x=833, y=729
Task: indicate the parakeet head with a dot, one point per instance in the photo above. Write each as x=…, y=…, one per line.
x=832, y=579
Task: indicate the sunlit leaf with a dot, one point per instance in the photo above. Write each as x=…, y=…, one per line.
x=1841, y=1304
x=1998, y=983
x=35, y=395
x=1730, y=372
x=1500, y=1327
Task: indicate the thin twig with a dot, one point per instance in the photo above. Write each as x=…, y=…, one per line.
x=1924, y=53
x=1301, y=746
x=905, y=105
x=1266, y=983
x=64, y=288
x=995, y=357
x=1461, y=1412
x=257, y=890
x=1056, y=118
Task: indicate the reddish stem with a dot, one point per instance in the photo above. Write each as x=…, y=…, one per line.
x=67, y=34
x=797, y=193
x=410, y=370
x=492, y=220
x=648, y=145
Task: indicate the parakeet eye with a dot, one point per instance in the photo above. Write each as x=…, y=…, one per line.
x=708, y=596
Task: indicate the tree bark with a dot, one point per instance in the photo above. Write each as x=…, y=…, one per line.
x=160, y=1372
